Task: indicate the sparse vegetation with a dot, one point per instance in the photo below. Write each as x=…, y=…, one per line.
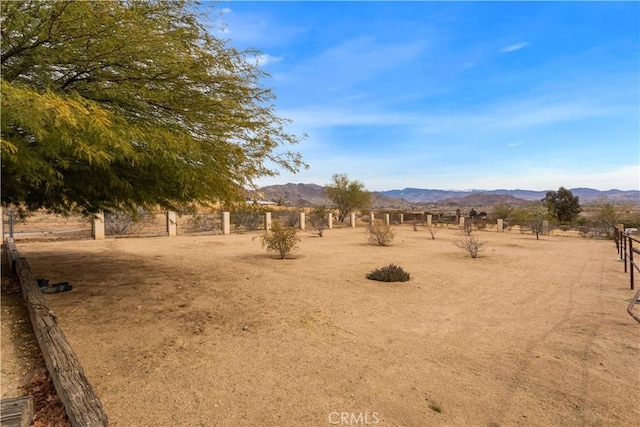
x=433, y=230
x=390, y=273
x=529, y=219
x=471, y=245
x=318, y=220
x=248, y=216
x=292, y=218
x=203, y=222
x=281, y=239
x=380, y=233
x=502, y=211
x=607, y=216
x=119, y=222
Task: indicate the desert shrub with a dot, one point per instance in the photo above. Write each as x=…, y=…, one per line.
x=119, y=222
x=248, y=216
x=390, y=273
x=467, y=227
x=414, y=223
x=470, y=244
x=281, y=239
x=433, y=230
x=292, y=218
x=202, y=222
x=318, y=220
x=380, y=233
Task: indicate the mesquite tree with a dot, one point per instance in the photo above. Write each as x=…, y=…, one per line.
x=347, y=195
x=116, y=105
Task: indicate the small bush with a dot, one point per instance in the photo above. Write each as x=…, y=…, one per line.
x=390, y=273
x=318, y=220
x=120, y=222
x=471, y=245
x=380, y=233
x=280, y=239
x=433, y=230
x=203, y=222
x=292, y=218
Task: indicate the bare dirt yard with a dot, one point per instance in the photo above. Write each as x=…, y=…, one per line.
x=214, y=331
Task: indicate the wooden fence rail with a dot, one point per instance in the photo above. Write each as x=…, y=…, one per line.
x=76, y=394
x=627, y=246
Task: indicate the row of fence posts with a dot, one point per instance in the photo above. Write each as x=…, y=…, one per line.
x=626, y=248
x=628, y=245
x=98, y=222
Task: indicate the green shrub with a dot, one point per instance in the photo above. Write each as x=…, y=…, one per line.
x=390, y=273
x=280, y=239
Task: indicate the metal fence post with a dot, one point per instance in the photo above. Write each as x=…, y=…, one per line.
x=631, y=261
x=624, y=241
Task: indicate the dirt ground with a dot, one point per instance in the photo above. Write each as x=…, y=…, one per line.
x=215, y=331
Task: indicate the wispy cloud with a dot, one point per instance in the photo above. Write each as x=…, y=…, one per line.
x=514, y=47
x=266, y=59
x=515, y=144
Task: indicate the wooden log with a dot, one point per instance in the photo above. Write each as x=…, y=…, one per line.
x=80, y=401
x=16, y=411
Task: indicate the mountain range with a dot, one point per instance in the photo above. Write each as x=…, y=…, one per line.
x=314, y=195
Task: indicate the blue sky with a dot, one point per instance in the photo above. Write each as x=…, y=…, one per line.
x=453, y=95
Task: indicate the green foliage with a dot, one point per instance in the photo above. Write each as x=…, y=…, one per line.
x=529, y=219
x=347, y=195
x=562, y=204
x=281, y=239
x=502, y=211
x=380, y=233
x=607, y=216
x=115, y=105
x=390, y=273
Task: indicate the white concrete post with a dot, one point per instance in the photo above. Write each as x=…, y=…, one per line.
x=461, y=221
x=429, y=218
x=330, y=220
x=372, y=218
x=500, y=226
x=97, y=226
x=226, y=223
x=267, y=221
x=545, y=227
x=352, y=220
x=387, y=219
x=302, y=224
x=172, y=224
x=401, y=219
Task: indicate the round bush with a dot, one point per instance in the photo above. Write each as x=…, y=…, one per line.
x=390, y=273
